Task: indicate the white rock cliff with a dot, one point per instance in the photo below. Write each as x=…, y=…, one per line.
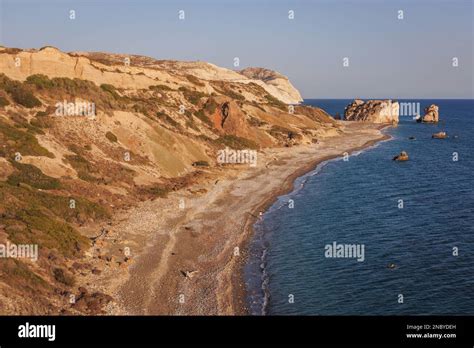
x=375, y=111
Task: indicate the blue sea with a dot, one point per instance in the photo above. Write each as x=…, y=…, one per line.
x=415, y=220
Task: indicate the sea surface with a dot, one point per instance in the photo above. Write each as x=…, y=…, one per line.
x=415, y=220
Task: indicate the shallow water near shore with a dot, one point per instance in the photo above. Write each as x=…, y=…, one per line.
x=358, y=202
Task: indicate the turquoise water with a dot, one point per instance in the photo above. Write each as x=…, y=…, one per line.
x=357, y=202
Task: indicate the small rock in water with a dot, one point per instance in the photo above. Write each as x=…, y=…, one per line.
x=411, y=138
x=440, y=135
x=403, y=156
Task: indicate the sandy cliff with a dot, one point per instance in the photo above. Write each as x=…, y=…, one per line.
x=142, y=72
x=86, y=136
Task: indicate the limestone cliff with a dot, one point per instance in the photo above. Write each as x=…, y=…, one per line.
x=375, y=111
x=276, y=84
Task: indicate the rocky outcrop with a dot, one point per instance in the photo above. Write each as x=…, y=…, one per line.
x=431, y=114
x=276, y=83
x=403, y=156
x=141, y=72
x=375, y=111
x=440, y=135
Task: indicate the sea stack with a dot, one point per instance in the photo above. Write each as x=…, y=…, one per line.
x=431, y=114
x=374, y=111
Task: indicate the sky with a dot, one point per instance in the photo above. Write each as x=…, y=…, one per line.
x=388, y=57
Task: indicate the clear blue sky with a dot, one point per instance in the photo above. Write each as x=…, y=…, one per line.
x=388, y=57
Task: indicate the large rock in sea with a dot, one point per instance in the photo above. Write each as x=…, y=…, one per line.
x=375, y=111
x=431, y=114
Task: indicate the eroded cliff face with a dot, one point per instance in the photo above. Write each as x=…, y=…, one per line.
x=375, y=111
x=134, y=72
x=154, y=127
x=276, y=84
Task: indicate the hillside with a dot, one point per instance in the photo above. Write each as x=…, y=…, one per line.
x=144, y=129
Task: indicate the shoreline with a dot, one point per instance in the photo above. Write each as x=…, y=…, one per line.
x=239, y=294
x=209, y=238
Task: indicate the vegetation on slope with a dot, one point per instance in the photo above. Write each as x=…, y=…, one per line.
x=36, y=207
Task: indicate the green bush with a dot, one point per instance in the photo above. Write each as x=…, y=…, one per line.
x=3, y=102
x=165, y=118
x=33, y=176
x=20, y=141
x=74, y=86
x=194, y=79
x=40, y=217
x=61, y=276
x=255, y=122
x=191, y=124
x=202, y=116
x=42, y=113
x=83, y=167
x=140, y=108
x=210, y=106
x=19, y=92
x=201, y=164
x=55, y=204
x=276, y=102
x=6, y=82
x=15, y=272
x=230, y=93
x=156, y=190
x=160, y=88
x=24, y=97
x=111, y=136
x=110, y=89
x=39, y=80
x=40, y=123
x=71, y=86
x=192, y=96
x=235, y=142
